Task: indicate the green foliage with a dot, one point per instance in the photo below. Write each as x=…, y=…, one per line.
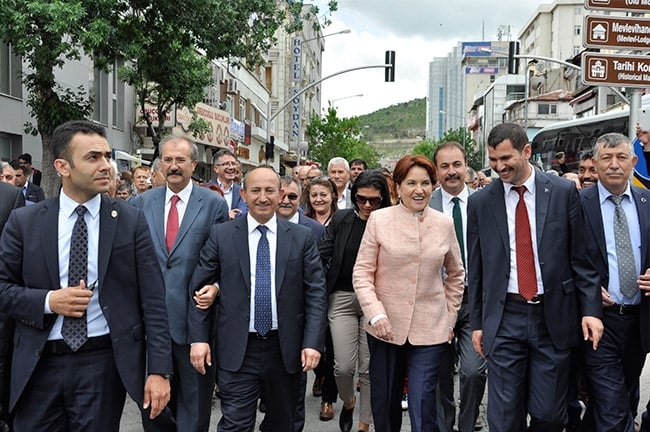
x=460, y=135
x=330, y=136
x=404, y=120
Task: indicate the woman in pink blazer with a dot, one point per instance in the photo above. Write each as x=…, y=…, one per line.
x=408, y=279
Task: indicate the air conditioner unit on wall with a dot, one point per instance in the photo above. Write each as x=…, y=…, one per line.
x=232, y=86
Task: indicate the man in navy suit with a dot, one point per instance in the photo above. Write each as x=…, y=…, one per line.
x=613, y=369
x=177, y=249
x=122, y=340
x=533, y=293
x=226, y=166
x=31, y=192
x=270, y=309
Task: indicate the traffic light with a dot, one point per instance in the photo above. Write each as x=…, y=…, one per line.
x=270, y=147
x=513, y=63
x=389, y=75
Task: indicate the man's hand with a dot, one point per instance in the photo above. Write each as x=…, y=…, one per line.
x=200, y=355
x=592, y=329
x=70, y=301
x=644, y=282
x=233, y=213
x=477, y=341
x=205, y=296
x=607, y=300
x=156, y=394
x=309, y=359
x=383, y=329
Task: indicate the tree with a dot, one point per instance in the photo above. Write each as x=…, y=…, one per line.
x=158, y=39
x=425, y=148
x=464, y=137
x=330, y=136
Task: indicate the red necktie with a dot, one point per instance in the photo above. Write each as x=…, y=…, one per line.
x=172, y=224
x=526, y=278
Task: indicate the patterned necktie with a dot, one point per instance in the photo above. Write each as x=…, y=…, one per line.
x=75, y=330
x=263, y=316
x=526, y=276
x=172, y=224
x=458, y=225
x=627, y=274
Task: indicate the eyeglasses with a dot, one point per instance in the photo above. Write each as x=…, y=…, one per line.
x=227, y=164
x=291, y=196
x=374, y=201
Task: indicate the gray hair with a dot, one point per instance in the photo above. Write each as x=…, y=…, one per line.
x=287, y=180
x=338, y=161
x=611, y=140
x=194, y=149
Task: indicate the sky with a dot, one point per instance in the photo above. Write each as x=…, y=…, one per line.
x=417, y=30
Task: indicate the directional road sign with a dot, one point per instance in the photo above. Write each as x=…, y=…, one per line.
x=616, y=69
x=616, y=32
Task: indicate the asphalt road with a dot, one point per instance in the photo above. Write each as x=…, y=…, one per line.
x=131, y=417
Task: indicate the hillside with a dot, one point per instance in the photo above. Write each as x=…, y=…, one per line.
x=396, y=129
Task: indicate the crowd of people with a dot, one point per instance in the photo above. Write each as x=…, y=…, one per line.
x=383, y=283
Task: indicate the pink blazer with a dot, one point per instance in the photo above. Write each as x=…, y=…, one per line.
x=399, y=272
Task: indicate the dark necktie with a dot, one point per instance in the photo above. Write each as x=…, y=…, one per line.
x=172, y=224
x=526, y=277
x=263, y=317
x=458, y=225
x=627, y=274
x=75, y=330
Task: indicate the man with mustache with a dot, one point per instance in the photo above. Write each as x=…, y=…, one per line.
x=180, y=216
x=451, y=199
x=587, y=173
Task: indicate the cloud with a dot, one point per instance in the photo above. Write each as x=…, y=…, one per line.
x=417, y=30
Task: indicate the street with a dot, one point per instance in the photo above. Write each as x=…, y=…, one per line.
x=131, y=417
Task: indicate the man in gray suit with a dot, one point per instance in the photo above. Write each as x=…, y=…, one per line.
x=451, y=199
x=180, y=216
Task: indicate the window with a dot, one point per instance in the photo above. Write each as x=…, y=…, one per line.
x=242, y=108
x=546, y=109
x=10, y=70
x=118, y=96
x=99, y=91
x=577, y=29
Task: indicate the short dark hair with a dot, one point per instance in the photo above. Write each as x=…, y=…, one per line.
x=63, y=135
x=586, y=156
x=371, y=179
x=508, y=131
x=24, y=169
x=446, y=145
x=26, y=157
x=220, y=153
x=359, y=161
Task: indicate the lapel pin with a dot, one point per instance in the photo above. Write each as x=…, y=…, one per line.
x=643, y=199
x=114, y=214
x=546, y=190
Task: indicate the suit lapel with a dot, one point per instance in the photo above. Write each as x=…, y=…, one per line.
x=543, y=190
x=498, y=206
x=641, y=198
x=108, y=217
x=240, y=239
x=594, y=219
x=281, y=254
x=50, y=239
x=194, y=206
x=436, y=200
x=157, y=216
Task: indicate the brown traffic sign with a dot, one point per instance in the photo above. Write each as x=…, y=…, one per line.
x=616, y=32
x=616, y=69
x=624, y=5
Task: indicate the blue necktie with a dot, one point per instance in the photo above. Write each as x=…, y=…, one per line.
x=263, y=317
x=75, y=330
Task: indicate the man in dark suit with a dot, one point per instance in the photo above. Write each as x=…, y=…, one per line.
x=451, y=199
x=87, y=298
x=31, y=192
x=531, y=286
x=226, y=167
x=270, y=309
x=10, y=198
x=33, y=175
x=177, y=243
x=613, y=369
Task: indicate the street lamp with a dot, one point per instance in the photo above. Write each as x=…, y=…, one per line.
x=345, y=97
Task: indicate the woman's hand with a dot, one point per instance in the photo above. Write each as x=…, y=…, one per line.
x=383, y=329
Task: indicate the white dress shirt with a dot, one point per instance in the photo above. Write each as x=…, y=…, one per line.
x=254, y=236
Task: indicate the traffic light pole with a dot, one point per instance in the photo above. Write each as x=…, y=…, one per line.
x=270, y=117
